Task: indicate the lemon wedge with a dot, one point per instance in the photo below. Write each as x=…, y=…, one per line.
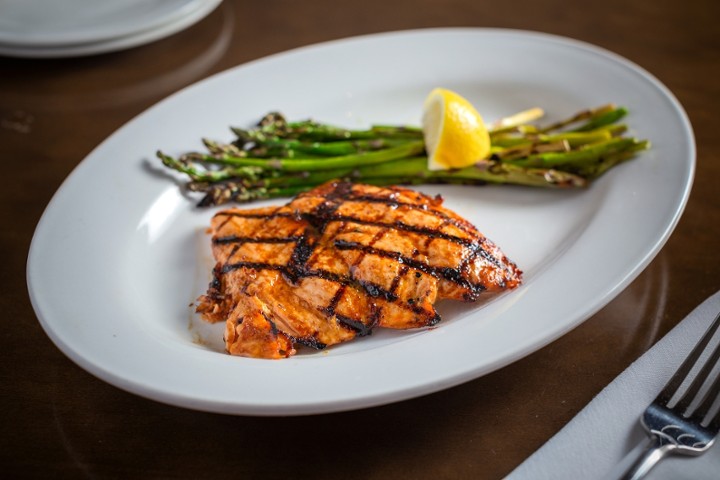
x=455, y=134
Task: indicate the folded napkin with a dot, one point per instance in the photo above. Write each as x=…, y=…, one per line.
x=607, y=430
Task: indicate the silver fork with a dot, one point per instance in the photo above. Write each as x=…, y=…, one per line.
x=685, y=426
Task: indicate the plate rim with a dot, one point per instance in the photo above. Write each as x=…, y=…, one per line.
x=116, y=43
x=348, y=404
x=93, y=33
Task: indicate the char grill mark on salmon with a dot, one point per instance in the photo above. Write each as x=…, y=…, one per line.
x=340, y=260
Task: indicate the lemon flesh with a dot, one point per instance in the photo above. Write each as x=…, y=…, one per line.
x=455, y=134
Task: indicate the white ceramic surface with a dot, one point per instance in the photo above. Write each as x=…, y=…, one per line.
x=120, y=253
x=103, y=42
x=63, y=22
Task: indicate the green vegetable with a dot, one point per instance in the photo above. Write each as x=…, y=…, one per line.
x=278, y=158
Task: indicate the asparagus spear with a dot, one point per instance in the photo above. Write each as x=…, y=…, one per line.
x=274, y=127
x=576, y=158
x=281, y=158
x=309, y=164
x=300, y=149
x=507, y=174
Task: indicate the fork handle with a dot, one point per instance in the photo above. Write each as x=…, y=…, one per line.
x=653, y=451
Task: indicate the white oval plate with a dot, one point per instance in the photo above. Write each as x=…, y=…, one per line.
x=187, y=17
x=120, y=253
x=34, y=23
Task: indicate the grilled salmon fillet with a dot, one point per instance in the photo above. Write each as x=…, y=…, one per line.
x=339, y=260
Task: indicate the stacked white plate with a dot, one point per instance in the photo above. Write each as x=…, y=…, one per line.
x=70, y=28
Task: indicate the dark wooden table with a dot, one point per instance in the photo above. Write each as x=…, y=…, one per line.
x=60, y=422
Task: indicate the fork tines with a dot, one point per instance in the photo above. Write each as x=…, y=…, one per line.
x=700, y=406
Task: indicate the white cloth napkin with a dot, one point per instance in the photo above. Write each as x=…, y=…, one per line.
x=600, y=437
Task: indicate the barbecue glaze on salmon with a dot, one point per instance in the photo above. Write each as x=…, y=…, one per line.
x=339, y=260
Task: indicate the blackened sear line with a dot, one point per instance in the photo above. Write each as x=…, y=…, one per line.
x=447, y=219
x=330, y=309
x=304, y=247
x=447, y=273
x=321, y=216
x=343, y=191
x=216, y=283
x=323, y=213
x=376, y=291
x=222, y=225
x=360, y=328
x=229, y=267
x=464, y=266
x=378, y=235
x=348, y=245
x=413, y=206
x=371, y=289
x=455, y=275
x=273, y=327
x=238, y=239
x=309, y=341
x=397, y=225
x=234, y=250
x=230, y=215
x=215, y=289
x=301, y=253
x=376, y=238
x=396, y=281
x=325, y=275
x=375, y=313
x=254, y=216
x=430, y=233
x=339, y=189
x=247, y=213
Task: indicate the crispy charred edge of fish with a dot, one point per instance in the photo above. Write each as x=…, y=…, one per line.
x=308, y=341
x=213, y=305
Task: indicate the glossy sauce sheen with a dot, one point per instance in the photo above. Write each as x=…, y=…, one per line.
x=340, y=260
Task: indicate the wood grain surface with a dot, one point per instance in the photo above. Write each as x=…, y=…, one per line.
x=60, y=422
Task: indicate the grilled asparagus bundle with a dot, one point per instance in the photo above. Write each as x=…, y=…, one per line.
x=278, y=158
